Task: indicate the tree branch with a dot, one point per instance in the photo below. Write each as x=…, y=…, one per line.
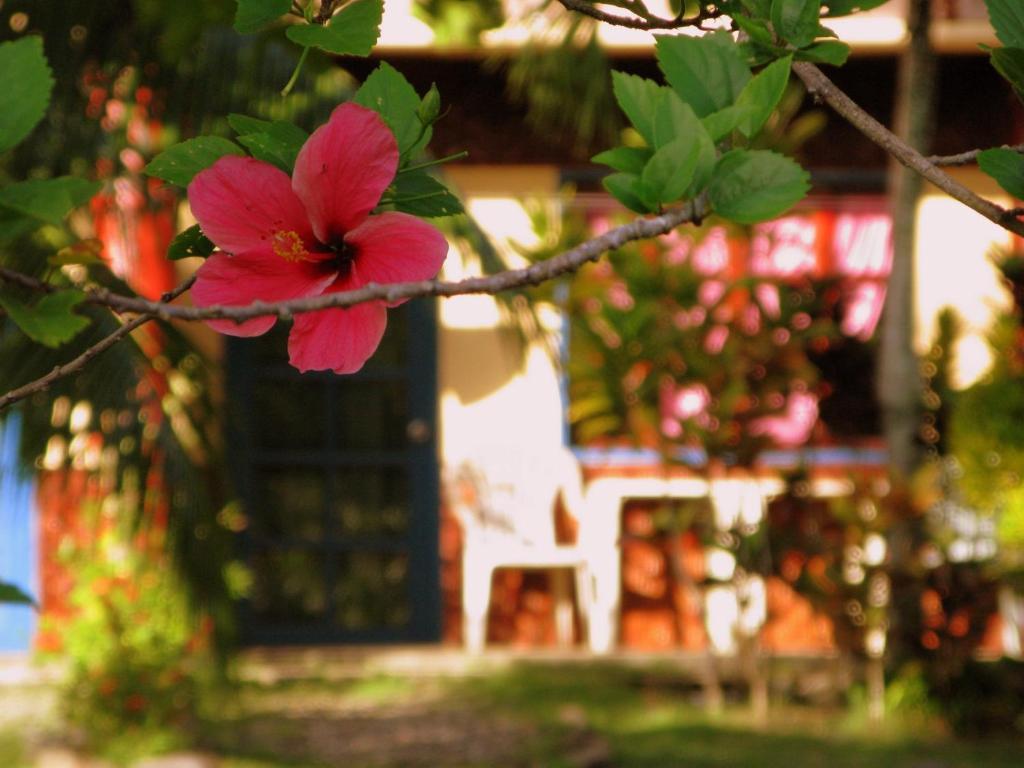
x=646, y=23
x=967, y=158
x=535, y=274
x=75, y=365
x=820, y=86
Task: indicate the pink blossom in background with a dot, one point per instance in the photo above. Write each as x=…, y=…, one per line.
x=710, y=292
x=711, y=256
x=678, y=404
x=313, y=234
x=767, y=296
x=714, y=342
x=619, y=296
x=793, y=426
x=863, y=310
x=785, y=247
x=750, y=319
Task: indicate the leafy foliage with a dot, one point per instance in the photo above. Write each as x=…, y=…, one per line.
x=352, y=31
x=179, y=164
x=24, y=97
x=254, y=14
x=52, y=321
x=1006, y=167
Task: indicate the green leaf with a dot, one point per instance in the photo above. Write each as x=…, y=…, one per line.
x=638, y=99
x=846, y=7
x=279, y=145
x=628, y=190
x=27, y=86
x=761, y=95
x=669, y=172
x=83, y=252
x=253, y=14
x=179, y=164
x=759, y=8
x=11, y=594
x=825, y=52
x=707, y=72
x=420, y=194
x=675, y=119
x=51, y=321
x=353, y=31
x=387, y=92
x=244, y=125
x=1006, y=167
x=14, y=225
x=796, y=21
x=723, y=122
x=190, y=242
x=756, y=29
x=429, y=109
x=48, y=200
x=1009, y=62
x=1007, y=17
x=749, y=186
x=626, y=159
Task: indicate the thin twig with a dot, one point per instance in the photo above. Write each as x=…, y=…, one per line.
x=75, y=365
x=534, y=274
x=820, y=86
x=968, y=158
x=647, y=23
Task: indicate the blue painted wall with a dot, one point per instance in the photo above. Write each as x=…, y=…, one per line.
x=18, y=551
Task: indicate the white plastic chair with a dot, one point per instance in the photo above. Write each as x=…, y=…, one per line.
x=505, y=499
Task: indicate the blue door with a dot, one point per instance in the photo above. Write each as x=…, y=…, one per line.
x=339, y=479
x=17, y=540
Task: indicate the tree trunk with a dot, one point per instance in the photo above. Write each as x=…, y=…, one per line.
x=899, y=382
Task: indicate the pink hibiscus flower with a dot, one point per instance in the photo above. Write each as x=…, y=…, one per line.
x=282, y=238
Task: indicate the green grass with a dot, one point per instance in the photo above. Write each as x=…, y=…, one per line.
x=652, y=720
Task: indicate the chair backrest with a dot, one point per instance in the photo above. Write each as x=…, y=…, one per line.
x=515, y=490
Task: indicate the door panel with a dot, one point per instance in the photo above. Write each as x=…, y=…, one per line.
x=341, y=493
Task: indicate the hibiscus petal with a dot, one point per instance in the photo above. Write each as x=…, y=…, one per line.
x=339, y=340
x=397, y=247
x=241, y=204
x=255, y=276
x=343, y=169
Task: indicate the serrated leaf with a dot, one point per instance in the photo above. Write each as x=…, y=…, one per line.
x=669, y=172
x=846, y=7
x=825, y=52
x=26, y=90
x=626, y=159
x=279, y=145
x=190, y=242
x=13, y=595
x=749, y=186
x=420, y=194
x=1006, y=167
x=638, y=99
x=352, y=31
x=761, y=95
x=83, y=252
x=1007, y=17
x=253, y=14
x=707, y=72
x=673, y=118
x=51, y=321
x=179, y=164
x=1009, y=62
x=627, y=189
x=48, y=200
x=387, y=92
x=796, y=21
x=723, y=122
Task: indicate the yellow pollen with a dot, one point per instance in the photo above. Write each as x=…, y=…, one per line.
x=289, y=246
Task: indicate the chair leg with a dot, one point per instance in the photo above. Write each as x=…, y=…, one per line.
x=476, y=599
x=561, y=591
